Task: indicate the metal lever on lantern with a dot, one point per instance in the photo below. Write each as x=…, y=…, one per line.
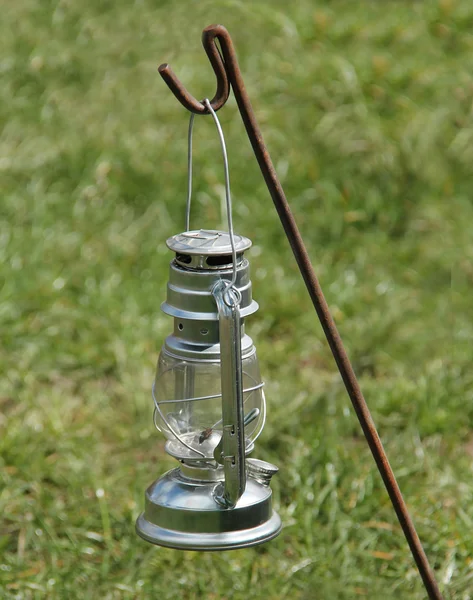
x=232, y=454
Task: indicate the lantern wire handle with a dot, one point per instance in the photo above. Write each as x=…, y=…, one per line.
x=189, y=171
x=228, y=198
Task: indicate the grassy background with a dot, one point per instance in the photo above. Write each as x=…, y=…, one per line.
x=367, y=110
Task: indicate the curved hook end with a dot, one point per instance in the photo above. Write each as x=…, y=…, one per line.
x=176, y=87
x=214, y=31
x=223, y=87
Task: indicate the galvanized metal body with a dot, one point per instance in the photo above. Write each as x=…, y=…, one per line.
x=182, y=513
x=190, y=287
x=218, y=498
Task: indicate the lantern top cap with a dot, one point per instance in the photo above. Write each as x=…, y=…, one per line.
x=207, y=242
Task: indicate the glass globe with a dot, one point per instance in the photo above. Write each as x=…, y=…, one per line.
x=188, y=400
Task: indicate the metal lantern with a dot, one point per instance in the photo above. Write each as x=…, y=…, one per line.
x=209, y=400
x=210, y=404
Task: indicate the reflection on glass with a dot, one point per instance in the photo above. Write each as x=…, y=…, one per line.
x=188, y=394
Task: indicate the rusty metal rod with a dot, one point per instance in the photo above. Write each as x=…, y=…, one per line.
x=227, y=70
x=223, y=88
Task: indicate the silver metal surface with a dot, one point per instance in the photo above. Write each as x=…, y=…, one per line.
x=233, y=540
x=182, y=513
x=207, y=242
x=203, y=349
x=233, y=438
x=249, y=418
x=189, y=292
x=261, y=470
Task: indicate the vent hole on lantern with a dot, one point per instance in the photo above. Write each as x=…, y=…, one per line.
x=218, y=261
x=204, y=331
x=180, y=326
x=184, y=258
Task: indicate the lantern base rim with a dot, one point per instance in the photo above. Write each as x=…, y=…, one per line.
x=232, y=540
x=183, y=513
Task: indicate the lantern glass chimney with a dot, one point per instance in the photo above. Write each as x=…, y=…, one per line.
x=188, y=393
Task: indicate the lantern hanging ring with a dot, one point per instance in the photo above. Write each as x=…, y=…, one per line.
x=227, y=71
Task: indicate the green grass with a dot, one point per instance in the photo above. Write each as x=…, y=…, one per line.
x=366, y=108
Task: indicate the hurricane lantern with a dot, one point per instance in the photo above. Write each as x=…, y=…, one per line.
x=210, y=404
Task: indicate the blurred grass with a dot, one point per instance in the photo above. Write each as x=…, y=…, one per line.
x=367, y=111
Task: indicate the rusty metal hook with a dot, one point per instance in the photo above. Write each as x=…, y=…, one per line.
x=225, y=65
x=223, y=88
